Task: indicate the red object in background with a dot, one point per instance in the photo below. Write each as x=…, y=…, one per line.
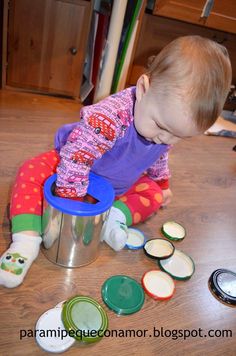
x=100, y=40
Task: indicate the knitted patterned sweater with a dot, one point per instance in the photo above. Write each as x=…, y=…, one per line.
x=106, y=142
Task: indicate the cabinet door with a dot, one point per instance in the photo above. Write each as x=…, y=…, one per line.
x=46, y=44
x=222, y=15
x=189, y=11
x=161, y=31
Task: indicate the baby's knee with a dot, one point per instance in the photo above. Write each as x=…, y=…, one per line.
x=154, y=194
x=25, y=166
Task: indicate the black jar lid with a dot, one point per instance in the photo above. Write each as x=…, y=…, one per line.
x=223, y=284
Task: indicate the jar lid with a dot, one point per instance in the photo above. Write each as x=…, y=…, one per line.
x=158, y=248
x=158, y=285
x=85, y=317
x=223, y=284
x=179, y=266
x=99, y=188
x=123, y=294
x=60, y=304
x=136, y=239
x=173, y=231
x=51, y=335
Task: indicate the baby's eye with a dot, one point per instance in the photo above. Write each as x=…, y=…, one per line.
x=159, y=127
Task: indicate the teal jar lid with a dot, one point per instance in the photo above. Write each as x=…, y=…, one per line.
x=123, y=294
x=85, y=318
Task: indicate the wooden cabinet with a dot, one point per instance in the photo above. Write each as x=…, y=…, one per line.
x=46, y=45
x=181, y=18
x=221, y=16
x=189, y=11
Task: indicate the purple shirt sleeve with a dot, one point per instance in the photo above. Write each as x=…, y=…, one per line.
x=62, y=134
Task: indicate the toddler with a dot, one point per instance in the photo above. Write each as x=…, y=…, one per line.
x=124, y=138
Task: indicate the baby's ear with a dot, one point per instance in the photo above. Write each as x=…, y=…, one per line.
x=142, y=86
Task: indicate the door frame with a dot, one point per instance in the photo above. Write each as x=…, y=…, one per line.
x=4, y=42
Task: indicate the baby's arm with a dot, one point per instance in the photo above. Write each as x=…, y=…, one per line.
x=90, y=139
x=160, y=173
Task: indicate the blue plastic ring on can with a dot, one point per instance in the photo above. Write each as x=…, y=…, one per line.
x=99, y=188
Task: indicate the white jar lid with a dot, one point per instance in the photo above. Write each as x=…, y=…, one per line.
x=158, y=285
x=179, y=266
x=51, y=333
x=158, y=248
x=136, y=239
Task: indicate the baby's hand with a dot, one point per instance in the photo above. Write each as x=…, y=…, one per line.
x=167, y=197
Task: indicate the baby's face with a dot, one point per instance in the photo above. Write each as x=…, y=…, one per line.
x=163, y=119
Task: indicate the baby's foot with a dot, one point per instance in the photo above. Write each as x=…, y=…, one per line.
x=114, y=231
x=118, y=236
x=16, y=261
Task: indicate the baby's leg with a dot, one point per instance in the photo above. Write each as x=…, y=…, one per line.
x=25, y=212
x=135, y=206
x=141, y=201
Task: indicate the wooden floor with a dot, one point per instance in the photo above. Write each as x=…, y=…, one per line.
x=204, y=187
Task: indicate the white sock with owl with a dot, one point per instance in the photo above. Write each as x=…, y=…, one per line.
x=16, y=261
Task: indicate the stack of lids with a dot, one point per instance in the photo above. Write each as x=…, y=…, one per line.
x=174, y=264
x=79, y=318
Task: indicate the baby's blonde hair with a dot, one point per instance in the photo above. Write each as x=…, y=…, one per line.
x=196, y=69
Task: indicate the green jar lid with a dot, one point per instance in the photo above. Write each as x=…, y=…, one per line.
x=173, y=231
x=85, y=318
x=123, y=294
x=179, y=266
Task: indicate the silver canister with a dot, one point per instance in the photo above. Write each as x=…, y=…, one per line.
x=71, y=230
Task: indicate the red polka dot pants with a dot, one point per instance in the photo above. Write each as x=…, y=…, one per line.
x=142, y=200
x=27, y=194
x=138, y=203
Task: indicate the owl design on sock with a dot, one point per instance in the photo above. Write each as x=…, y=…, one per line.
x=14, y=263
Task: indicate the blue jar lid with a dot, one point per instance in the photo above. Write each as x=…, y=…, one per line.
x=99, y=188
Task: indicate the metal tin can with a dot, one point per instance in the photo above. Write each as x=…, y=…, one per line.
x=72, y=229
